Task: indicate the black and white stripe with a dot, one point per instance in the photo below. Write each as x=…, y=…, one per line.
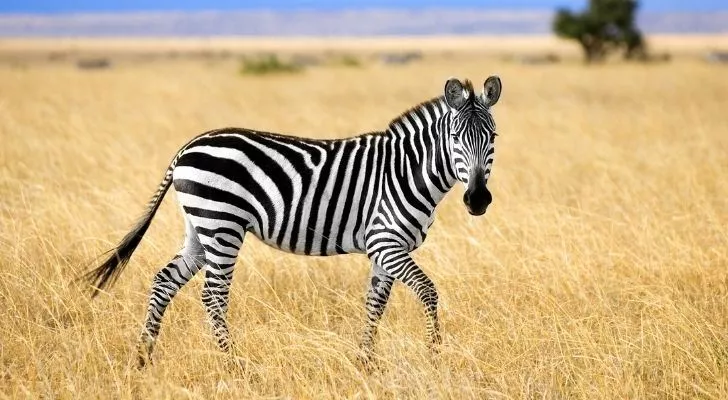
x=373, y=194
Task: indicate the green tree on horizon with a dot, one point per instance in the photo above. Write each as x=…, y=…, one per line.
x=605, y=26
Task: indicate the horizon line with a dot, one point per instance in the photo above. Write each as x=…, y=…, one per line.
x=516, y=9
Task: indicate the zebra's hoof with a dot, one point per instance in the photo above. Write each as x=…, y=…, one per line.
x=239, y=363
x=143, y=361
x=368, y=364
x=144, y=352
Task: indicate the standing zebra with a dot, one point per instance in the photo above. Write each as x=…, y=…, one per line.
x=374, y=193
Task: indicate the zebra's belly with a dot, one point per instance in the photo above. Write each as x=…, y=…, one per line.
x=311, y=245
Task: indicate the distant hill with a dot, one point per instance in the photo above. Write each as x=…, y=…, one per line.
x=328, y=23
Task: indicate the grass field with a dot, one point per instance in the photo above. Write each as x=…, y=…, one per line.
x=600, y=270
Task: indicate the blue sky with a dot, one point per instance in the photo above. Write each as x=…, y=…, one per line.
x=64, y=6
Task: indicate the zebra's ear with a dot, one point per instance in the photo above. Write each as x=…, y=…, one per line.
x=491, y=91
x=455, y=93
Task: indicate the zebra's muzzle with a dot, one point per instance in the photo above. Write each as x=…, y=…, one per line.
x=477, y=199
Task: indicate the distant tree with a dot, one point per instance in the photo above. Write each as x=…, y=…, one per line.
x=605, y=26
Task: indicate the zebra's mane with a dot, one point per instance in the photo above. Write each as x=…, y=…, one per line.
x=436, y=101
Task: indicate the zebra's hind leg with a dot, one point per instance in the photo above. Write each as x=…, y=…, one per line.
x=380, y=286
x=167, y=282
x=221, y=253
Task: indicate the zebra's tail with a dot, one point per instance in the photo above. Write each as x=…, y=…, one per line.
x=105, y=275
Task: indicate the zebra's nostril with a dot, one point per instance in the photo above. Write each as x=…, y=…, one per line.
x=466, y=198
x=488, y=197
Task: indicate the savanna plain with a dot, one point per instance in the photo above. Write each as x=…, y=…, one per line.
x=599, y=271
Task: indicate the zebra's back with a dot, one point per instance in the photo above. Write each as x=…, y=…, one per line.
x=304, y=196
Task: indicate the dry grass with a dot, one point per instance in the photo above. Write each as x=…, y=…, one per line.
x=599, y=272
x=676, y=44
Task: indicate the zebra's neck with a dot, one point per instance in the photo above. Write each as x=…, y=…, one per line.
x=420, y=143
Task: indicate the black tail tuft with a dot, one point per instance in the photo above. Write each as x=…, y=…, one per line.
x=108, y=272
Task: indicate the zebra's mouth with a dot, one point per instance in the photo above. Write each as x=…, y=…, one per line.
x=476, y=213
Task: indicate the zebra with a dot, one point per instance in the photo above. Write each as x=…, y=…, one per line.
x=373, y=194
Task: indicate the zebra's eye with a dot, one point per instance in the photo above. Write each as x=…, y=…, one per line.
x=455, y=139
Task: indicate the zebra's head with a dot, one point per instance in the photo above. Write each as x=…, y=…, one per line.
x=471, y=137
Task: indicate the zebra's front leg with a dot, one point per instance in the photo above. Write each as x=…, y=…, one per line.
x=380, y=286
x=400, y=265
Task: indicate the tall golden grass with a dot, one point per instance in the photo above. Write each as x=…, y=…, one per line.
x=600, y=270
